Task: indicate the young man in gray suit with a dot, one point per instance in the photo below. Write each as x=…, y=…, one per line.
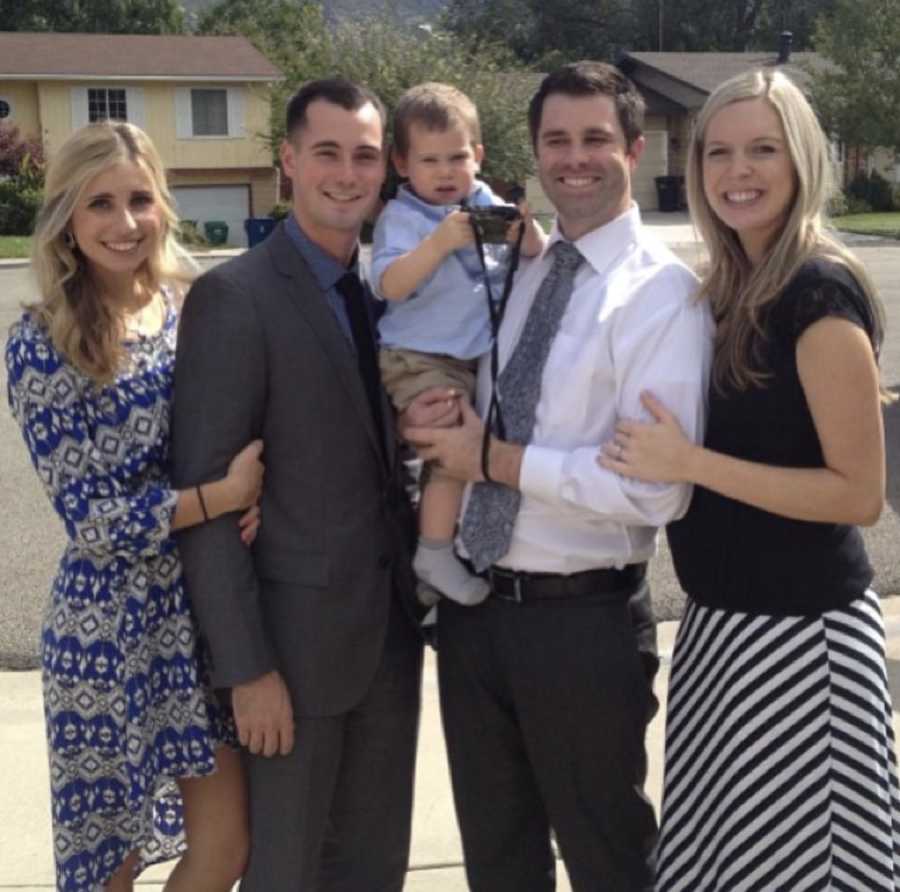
x=312, y=631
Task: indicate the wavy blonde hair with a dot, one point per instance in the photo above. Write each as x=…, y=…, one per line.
x=81, y=326
x=737, y=291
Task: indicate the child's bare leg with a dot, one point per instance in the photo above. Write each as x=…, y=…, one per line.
x=435, y=561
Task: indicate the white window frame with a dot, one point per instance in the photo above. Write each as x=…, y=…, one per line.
x=134, y=103
x=184, y=114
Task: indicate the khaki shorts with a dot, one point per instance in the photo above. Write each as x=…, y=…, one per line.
x=406, y=373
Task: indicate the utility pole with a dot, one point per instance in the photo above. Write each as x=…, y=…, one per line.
x=659, y=22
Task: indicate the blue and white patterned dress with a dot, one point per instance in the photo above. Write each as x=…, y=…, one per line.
x=126, y=698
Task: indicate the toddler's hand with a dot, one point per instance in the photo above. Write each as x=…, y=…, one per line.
x=535, y=238
x=454, y=232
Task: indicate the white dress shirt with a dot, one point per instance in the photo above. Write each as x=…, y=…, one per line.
x=632, y=324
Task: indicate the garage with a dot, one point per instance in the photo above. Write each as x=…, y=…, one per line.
x=230, y=204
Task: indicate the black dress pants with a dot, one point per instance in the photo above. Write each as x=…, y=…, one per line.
x=545, y=708
x=335, y=814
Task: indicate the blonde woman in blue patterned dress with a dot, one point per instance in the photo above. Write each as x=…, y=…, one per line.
x=141, y=752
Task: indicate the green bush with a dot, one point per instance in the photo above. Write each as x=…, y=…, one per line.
x=19, y=205
x=874, y=189
x=280, y=211
x=858, y=205
x=190, y=236
x=837, y=205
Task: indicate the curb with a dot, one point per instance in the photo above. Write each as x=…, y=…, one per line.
x=20, y=262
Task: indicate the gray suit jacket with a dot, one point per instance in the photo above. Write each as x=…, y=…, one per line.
x=260, y=354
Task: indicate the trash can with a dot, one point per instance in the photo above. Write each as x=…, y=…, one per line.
x=258, y=228
x=216, y=231
x=668, y=193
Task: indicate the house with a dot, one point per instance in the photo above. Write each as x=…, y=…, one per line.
x=204, y=101
x=675, y=86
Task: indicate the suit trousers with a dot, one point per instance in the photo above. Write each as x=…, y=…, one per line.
x=335, y=814
x=545, y=708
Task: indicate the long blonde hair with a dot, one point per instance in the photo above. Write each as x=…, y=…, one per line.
x=81, y=327
x=737, y=291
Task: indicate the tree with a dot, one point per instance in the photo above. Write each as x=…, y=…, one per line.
x=390, y=60
x=545, y=34
x=857, y=92
x=93, y=16
x=389, y=57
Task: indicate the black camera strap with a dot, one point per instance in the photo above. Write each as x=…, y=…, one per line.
x=494, y=418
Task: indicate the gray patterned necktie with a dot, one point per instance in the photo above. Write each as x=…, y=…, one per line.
x=491, y=512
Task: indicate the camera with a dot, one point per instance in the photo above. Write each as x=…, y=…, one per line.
x=491, y=223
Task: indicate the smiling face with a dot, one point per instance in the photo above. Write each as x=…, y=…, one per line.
x=441, y=164
x=118, y=221
x=336, y=164
x=749, y=178
x=584, y=164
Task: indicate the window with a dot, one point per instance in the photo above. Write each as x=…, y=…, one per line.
x=5, y=109
x=209, y=112
x=107, y=104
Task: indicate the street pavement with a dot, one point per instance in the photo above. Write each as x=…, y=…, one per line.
x=26, y=862
x=31, y=540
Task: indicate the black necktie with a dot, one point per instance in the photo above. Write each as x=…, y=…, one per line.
x=355, y=299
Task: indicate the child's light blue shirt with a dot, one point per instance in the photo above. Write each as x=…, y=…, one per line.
x=448, y=312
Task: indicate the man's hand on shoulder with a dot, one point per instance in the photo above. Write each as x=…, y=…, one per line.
x=264, y=715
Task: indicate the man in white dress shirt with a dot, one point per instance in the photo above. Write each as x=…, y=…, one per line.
x=546, y=688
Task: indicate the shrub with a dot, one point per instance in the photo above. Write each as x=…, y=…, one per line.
x=18, y=154
x=837, y=205
x=874, y=189
x=858, y=205
x=280, y=211
x=19, y=205
x=190, y=236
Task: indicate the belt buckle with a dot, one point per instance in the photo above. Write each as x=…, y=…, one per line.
x=508, y=576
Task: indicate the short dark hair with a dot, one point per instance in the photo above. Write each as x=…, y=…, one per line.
x=336, y=90
x=435, y=107
x=589, y=79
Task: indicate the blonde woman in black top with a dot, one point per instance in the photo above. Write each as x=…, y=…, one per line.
x=780, y=764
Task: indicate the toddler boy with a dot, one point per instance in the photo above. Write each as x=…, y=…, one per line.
x=437, y=322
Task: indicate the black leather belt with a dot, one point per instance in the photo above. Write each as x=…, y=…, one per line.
x=524, y=588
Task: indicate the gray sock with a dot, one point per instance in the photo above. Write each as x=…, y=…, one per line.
x=437, y=564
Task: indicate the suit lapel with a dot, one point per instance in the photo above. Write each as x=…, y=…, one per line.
x=310, y=301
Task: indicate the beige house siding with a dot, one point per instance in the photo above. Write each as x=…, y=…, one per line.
x=158, y=117
x=22, y=96
x=263, y=184
x=680, y=128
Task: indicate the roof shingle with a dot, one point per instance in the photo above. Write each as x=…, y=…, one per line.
x=705, y=71
x=132, y=56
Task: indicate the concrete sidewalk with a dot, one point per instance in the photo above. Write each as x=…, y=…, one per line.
x=436, y=865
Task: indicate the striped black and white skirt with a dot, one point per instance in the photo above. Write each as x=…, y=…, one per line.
x=780, y=770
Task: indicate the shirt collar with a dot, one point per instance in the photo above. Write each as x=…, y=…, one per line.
x=325, y=268
x=602, y=245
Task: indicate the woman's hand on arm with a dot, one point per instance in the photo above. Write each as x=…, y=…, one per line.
x=657, y=451
x=238, y=490
x=839, y=375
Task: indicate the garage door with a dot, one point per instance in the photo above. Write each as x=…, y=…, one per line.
x=230, y=204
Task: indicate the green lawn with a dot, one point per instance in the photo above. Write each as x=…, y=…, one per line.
x=14, y=246
x=885, y=225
